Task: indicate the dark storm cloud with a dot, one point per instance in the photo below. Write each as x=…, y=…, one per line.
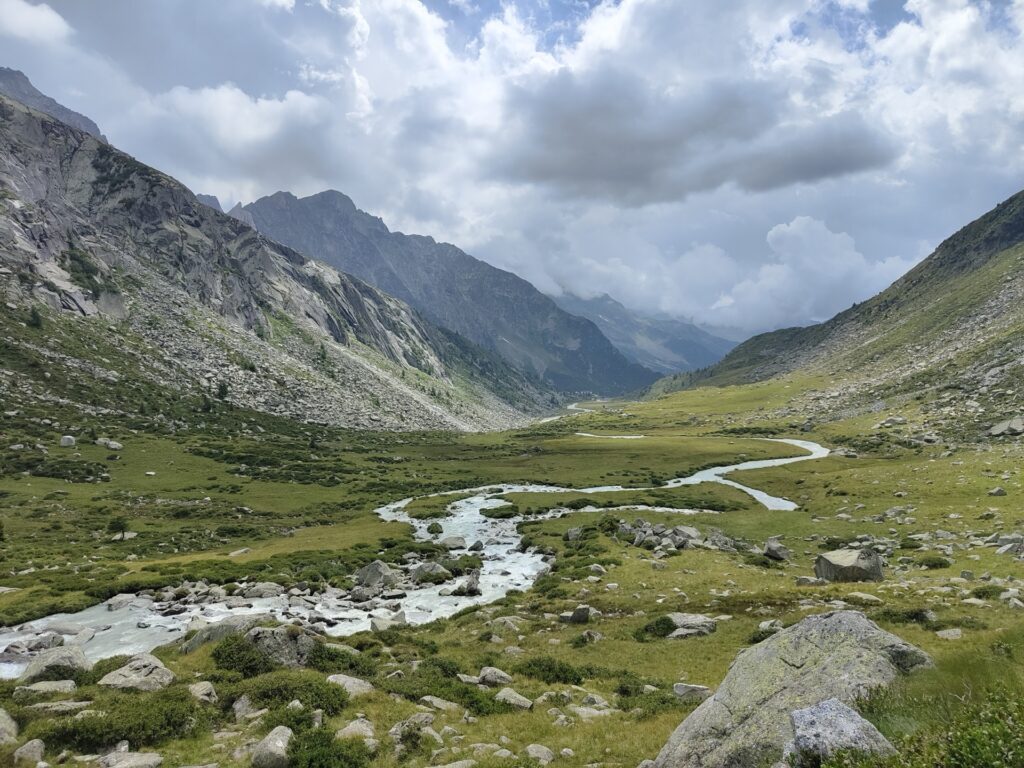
x=609, y=134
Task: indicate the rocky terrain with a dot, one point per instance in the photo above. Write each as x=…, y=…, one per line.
x=202, y=302
x=15, y=85
x=491, y=307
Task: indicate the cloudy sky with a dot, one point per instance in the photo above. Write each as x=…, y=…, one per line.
x=747, y=163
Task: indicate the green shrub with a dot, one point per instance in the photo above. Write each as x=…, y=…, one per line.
x=662, y=626
x=551, y=670
x=143, y=720
x=436, y=677
x=985, y=733
x=236, y=654
x=987, y=591
x=276, y=689
x=318, y=748
x=760, y=561
x=333, y=660
x=435, y=529
x=934, y=562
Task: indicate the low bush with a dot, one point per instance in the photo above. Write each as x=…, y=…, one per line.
x=318, y=748
x=334, y=660
x=142, y=720
x=276, y=689
x=934, y=562
x=436, y=677
x=236, y=654
x=662, y=626
x=551, y=670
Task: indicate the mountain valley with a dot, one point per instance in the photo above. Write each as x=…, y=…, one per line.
x=282, y=488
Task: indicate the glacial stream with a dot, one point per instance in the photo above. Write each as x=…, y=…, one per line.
x=137, y=625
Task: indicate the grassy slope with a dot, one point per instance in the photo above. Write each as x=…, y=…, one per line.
x=928, y=304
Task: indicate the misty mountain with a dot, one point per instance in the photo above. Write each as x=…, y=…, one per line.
x=491, y=307
x=662, y=344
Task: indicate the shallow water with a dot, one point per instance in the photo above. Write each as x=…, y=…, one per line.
x=504, y=568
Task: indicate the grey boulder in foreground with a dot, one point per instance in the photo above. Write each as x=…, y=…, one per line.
x=749, y=721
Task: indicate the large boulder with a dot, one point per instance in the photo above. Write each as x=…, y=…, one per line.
x=829, y=728
x=839, y=655
x=355, y=686
x=849, y=565
x=62, y=662
x=272, y=752
x=432, y=572
x=288, y=646
x=376, y=574
x=1014, y=426
x=8, y=729
x=691, y=625
x=144, y=672
x=30, y=753
x=233, y=625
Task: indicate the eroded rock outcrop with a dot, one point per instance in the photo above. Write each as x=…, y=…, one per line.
x=748, y=721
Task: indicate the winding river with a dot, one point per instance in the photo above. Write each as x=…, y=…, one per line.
x=137, y=625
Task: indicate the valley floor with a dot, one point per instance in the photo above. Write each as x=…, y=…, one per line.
x=300, y=500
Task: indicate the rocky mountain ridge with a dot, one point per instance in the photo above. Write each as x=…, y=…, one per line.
x=16, y=85
x=208, y=304
x=493, y=308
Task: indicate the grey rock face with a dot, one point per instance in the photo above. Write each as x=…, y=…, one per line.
x=517, y=700
x=430, y=572
x=493, y=677
x=29, y=753
x=285, y=645
x=1010, y=427
x=272, y=752
x=376, y=574
x=144, y=672
x=233, y=625
x=539, y=753
x=691, y=625
x=204, y=691
x=747, y=721
x=470, y=586
x=65, y=658
x=8, y=728
x=830, y=727
x=354, y=685
x=849, y=565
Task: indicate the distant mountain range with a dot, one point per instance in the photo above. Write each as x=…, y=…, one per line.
x=489, y=306
x=152, y=295
x=662, y=344
x=14, y=84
